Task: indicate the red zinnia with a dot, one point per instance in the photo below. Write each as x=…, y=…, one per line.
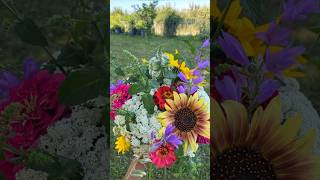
x=164, y=156
x=160, y=96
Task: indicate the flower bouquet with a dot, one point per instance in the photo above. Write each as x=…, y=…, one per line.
x=254, y=136
x=159, y=106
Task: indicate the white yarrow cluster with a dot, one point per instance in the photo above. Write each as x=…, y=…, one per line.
x=78, y=138
x=139, y=131
x=293, y=102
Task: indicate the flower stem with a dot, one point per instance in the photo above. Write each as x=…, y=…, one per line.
x=55, y=62
x=165, y=174
x=221, y=22
x=11, y=10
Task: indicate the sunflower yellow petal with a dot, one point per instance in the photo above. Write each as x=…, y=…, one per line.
x=291, y=127
x=176, y=96
x=306, y=143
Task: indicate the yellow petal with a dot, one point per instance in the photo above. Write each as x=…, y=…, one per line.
x=237, y=119
x=176, y=97
x=291, y=127
x=306, y=143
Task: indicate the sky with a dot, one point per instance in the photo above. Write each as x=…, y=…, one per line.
x=177, y=4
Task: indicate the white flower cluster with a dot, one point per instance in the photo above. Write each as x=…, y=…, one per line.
x=138, y=131
x=293, y=102
x=204, y=96
x=79, y=138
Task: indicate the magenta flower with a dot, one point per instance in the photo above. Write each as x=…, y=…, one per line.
x=39, y=107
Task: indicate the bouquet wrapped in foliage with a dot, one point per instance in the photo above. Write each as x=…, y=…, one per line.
x=159, y=106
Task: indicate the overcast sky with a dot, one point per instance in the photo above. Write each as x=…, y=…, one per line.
x=177, y=4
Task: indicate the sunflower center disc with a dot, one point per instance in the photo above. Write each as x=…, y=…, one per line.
x=185, y=119
x=242, y=163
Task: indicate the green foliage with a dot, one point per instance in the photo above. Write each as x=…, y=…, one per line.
x=30, y=33
x=57, y=167
x=169, y=18
x=83, y=85
x=148, y=103
x=146, y=14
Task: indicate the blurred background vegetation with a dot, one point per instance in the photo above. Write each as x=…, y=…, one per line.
x=162, y=20
x=65, y=23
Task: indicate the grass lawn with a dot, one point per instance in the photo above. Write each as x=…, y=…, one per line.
x=185, y=168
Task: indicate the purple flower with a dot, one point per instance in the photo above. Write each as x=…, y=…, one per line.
x=275, y=35
x=112, y=86
x=228, y=88
x=168, y=137
x=206, y=43
x=233, y=49
x=183, y=77
x=203, y=64
x=9, y=81
x=279, y=61
x=266, y=90
x=181, y=89
x=30, y=67
x=297, y=10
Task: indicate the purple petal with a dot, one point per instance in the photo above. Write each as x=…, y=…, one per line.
x=206, y=43
x=174, y=140
x=228, y=89
x=275, y=35
x=119, y=82
x=181, y=89
x=196, y=72
x=197, y=80
x=298, y=10
x=182, y=77
x=169, y=130
x=155, y=146
x=203, y=64
x=266, y=90
x=233, y=49
x=8, y=80
x=283, y=59
x=193, y=89
x=30, y=67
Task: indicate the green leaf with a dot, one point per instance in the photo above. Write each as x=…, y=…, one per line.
x=83, y=85
x=119, y=71
x=315, y=29
x=57, y=167
x=134, y=89
x=154, y=83
x=147, y=100
x=2, y=177
x=138, y=173
x=30, y=33
x=71, y=55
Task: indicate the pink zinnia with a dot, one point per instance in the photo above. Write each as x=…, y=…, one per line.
x=164, y=156
x=119, y=95
x=39, y=108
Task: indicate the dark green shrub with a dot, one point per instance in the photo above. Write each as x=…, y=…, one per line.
x=168, y=20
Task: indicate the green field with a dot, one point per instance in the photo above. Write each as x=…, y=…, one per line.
x=185, y=168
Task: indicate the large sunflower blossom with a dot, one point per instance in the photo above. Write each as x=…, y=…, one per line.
x=190, y=117
x=263, y=148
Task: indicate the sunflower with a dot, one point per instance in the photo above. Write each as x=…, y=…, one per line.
x=122, y=144
x=261, y=149
x=190, y=117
